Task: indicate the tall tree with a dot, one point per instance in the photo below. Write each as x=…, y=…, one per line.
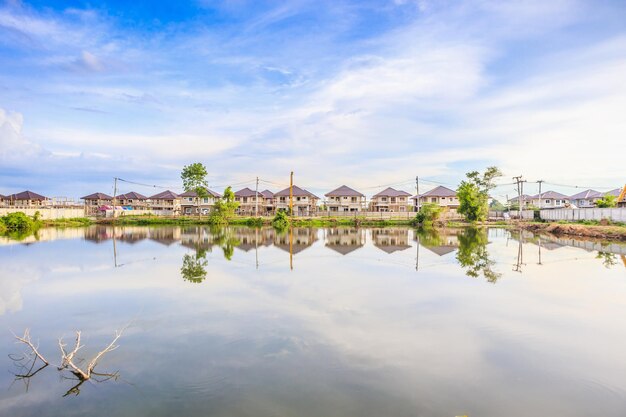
x=473, y=193
x=194, y=180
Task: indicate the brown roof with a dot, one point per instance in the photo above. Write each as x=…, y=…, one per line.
x=297, y=192
x=267, y=194
x=551, y=195
x=391, y=192
x=97, y=196
x=26, y=195
x=246, y=192
x=193, y=194
x=344, y=191
x=132, y=196
x=586, y=194
x=439, y=191
x=165, y=195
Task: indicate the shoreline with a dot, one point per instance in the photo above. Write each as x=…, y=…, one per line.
x=611, y=232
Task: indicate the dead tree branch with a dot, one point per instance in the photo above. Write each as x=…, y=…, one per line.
x=27, y=341
x=67, y=359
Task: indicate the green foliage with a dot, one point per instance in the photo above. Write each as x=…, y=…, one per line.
x=473, y=254
x=429, y=213
x=608, y=259
x=19, y=221
x=254, y=221
x=224, y=208
x=280, y=220
x=473, y=194
x=495, y=205
x=194, y=179
x=608, y=201
x=193, y=269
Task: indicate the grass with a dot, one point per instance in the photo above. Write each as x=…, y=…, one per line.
x=71, y=222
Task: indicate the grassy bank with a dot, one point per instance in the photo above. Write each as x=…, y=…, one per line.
x=595, y=230
x=72, y=222
x=251, y=221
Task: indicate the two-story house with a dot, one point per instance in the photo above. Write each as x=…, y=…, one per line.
x=132, y=201
x=251, y=203
x=390, y=199
x=345, y=198
x=527, y=201
x=268, y=202
x=166, y=201
x=192, y=204
x=586, y=199
x=304, y=202
x=95, y=201
x=26, y=199
x=550, y=199
x=440, y=195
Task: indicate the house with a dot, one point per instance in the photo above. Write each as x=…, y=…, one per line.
x=251, y=202
x=93, y=202
x=440, y=195
x=586, y=199
x=390, y=200
x=268, y=202
x=527, y=201
x=166, y=201
x=304, y=202
x=345, y=198
x=132, y=200
x=2, y=200
x=191, y=204
x=26, y=199
x=550, y=199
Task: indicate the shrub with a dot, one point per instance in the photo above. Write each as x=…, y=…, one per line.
x=428, y=213
x=19, y=221
x=280, y=220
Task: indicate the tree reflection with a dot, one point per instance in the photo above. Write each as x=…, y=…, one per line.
x=193, y=269
x=474, y=256
x=608, y=259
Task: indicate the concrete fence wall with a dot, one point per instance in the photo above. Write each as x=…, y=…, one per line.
x=46, y=213
x=614, y=214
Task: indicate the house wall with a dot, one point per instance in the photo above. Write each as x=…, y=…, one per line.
x=47, y=213
x=614, y=214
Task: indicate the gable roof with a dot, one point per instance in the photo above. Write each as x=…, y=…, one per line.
x=344, y=191
x=616, y=192
x=267, y=194
x=97, y=196
x=246, y=192
x=525, y=197
x=132, y=196
x=391, y=192
x=587, y=194
x=297, y=192
x=26, y=195
x=551, y=195
x=193, y=193
x=439, y=191
x=165, y=195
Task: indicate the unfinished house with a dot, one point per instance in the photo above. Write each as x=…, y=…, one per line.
x=94, y=203
x=192, y=204
x=167, y=202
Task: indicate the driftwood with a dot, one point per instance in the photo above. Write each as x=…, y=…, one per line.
x=26, y=362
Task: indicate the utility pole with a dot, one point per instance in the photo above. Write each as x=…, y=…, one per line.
x=114, y=196
x=291, y=194
x=540, y=196
x=256, y=198
x=417, y=187
x=518, y=180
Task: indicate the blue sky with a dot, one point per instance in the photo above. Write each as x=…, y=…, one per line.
x=363, y=93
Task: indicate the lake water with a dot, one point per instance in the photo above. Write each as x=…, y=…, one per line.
x=317, y=322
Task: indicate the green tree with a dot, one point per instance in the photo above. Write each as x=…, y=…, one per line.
x=224, y=207
x=473, y=193
x=280, y=220
x=608, y=201
x=194, y=180
x=193, y=269
x=429, y=213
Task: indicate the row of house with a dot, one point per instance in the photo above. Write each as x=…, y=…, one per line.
x=305, y=203
x=552, y=199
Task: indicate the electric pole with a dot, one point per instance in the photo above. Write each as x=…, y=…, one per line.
x=256, y=198
x=540, y=196
x=291, y=194
x=518, y=181
x=417, y=187
x=114, y=195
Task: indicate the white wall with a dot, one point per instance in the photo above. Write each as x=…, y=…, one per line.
x=614, y=214
x=46, y=213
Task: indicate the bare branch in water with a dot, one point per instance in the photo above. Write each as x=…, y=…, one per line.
x=27, y=341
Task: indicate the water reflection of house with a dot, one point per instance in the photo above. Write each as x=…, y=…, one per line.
x=443, y=245
x=345, y=240
x=391, y=239
x=132, y=234
x=197, y=237
x=251, y=238
x=301, y=239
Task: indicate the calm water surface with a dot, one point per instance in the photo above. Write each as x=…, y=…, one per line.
x=318, y=322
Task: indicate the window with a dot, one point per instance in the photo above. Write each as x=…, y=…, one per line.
x=433, y=199
x=205, y=200
x=547, y=201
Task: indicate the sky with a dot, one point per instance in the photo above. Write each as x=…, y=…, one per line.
x=362, y=93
